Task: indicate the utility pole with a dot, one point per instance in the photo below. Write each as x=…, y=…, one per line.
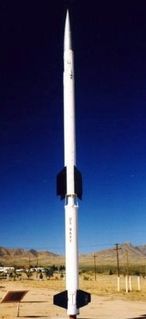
x=37, y=268
x=29, y=262
x=118, y=266
x=94, y=257
x=128, y=277
x=117, y=255
x=127, y=262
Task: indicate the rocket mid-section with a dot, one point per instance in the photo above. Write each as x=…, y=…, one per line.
x=69, y=110
x=69, y=186
x=69, y=123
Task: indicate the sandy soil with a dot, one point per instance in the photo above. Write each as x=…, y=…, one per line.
x=37, y=303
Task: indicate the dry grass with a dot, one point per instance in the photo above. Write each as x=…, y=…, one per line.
x=39, y=301
x=104, y=285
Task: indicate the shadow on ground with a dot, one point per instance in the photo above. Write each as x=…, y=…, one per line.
x=33, y=316
x=141, y=317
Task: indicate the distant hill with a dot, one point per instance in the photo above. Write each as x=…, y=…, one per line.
x=136, y=255
x=23, y=257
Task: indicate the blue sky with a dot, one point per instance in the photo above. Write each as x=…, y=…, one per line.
x=110, y=71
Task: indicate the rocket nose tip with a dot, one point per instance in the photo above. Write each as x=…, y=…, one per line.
x=67, y=19
x=67, y=13
x=67, y=34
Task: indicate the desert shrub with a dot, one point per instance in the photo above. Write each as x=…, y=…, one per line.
x=49, y=272
x=86, y=278
x=111, y=272
x=61, y=268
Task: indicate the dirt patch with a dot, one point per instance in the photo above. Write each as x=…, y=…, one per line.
x=38, y=303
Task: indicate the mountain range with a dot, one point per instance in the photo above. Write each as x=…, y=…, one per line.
x=19, y=256
x=127, y=252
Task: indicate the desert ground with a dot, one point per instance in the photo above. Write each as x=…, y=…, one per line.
x=106, y=302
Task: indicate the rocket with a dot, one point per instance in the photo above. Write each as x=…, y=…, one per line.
x=69, y=188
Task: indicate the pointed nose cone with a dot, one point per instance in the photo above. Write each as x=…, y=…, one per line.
x=67, y=33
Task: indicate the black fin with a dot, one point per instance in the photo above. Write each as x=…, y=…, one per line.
x=82, y=299
x=60, y=299
x=78, y=183
x=61, y=183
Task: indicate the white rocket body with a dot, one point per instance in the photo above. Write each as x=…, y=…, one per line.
x=69, y=110
x=71, y=207
x=71, y=256
x=69, y=187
